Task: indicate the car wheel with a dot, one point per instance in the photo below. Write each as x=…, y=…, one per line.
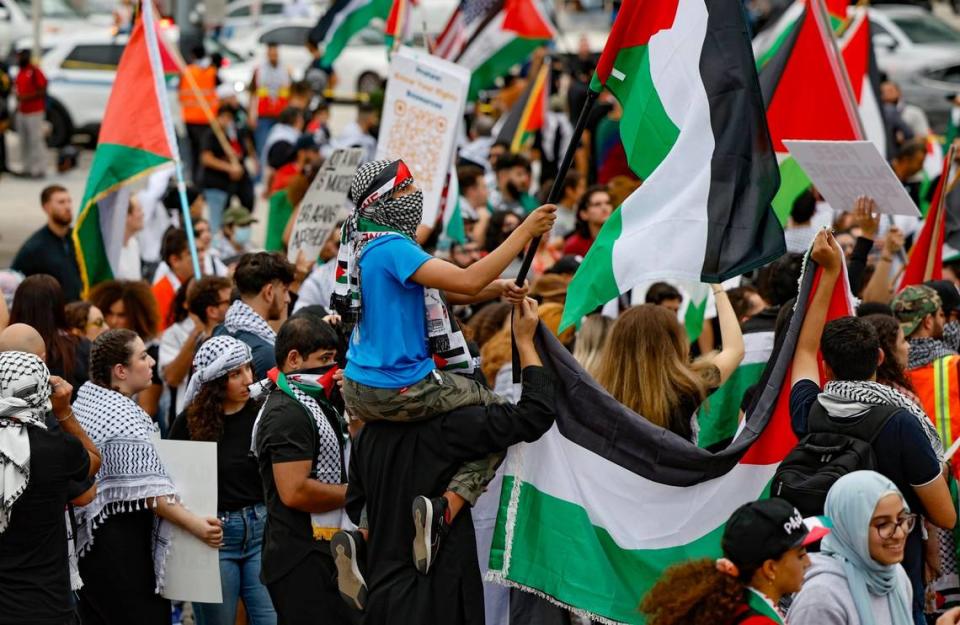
x=61, y=128
x=369, y=82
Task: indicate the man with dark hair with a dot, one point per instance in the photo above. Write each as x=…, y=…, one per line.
x=263, y=280
x=176, y=267
x=800, y=230
x=574, y=186
x=299, y=440
x=513, y=183
x=271, y=95
x=664, y=294
x=906, y=448
x=359, y=134
x=50, y=249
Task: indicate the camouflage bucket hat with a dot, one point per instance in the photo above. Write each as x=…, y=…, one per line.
x=912, y=304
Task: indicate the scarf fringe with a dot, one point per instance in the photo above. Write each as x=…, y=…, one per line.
x=498, y=578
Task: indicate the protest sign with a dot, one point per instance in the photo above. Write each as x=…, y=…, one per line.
x=421, y=112
x=842, y=171
x=324, y=205
x=193, y=568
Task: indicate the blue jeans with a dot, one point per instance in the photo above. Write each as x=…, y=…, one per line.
x=240, y=571
x=217, y=202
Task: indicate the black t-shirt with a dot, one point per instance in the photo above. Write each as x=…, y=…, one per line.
x=45, y=252
x=34, y=574
x=287, y=433
x=238, y=477
x=214, y=178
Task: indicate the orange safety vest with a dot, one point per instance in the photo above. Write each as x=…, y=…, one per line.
x=938, y=387
x=206, y=79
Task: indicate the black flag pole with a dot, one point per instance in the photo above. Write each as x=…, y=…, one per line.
x=552, y=198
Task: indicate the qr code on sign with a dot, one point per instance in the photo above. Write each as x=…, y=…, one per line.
x=417, y=137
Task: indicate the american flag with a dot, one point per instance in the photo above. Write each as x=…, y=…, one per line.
x=464, y=22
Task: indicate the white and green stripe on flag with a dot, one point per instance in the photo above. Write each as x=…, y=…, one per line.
x=343, y=20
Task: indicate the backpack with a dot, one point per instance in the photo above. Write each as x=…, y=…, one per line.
x=830, y=450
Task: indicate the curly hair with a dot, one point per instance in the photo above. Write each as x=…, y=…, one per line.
x=140, y=306
x=110, y=349
x=488, y=321
x=890, y=372
x=205, y=412
x=693, y=593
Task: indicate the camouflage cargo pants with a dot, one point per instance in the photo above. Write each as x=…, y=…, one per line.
x=434, y=395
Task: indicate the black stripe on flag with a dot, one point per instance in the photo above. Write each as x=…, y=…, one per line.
x=743, y=231
x=588, y=416
x=772, y=72
x=319, y=32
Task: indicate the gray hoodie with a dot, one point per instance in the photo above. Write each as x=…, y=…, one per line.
x=826, y=600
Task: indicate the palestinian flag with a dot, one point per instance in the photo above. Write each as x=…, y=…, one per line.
x=926, y=255
x=453, y=230
x=698, y=295
x=343, y=20
x=693, y=129
x=136, y=138
x=856, y=46
x=528, y=113
x=932, y=169
x=491, y=42
x=593, y=512
x=399, y=27
x=807, y=96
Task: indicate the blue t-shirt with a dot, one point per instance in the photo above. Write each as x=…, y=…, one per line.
x=388, y=348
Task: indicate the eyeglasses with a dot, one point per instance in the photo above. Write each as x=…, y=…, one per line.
x=888, y=528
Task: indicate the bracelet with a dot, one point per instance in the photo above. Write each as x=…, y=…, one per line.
x=59, y=420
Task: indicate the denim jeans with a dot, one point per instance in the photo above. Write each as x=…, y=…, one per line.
x=217, y=202
x=240, y=571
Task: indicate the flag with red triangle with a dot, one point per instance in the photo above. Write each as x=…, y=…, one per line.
x=529, y=113
x=926, y=255
x=807, y=95
x=136, y=138
x=399, y=28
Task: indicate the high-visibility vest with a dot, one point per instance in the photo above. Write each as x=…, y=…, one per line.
x=190, y=108
x=273, y=90
x=938, y=387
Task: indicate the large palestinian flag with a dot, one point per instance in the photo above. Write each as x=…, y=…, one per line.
x=136, y=138
x=343, y=20
x=594, y=511
x=693, y=129
x=926, y=255
x=489, y=37
x=528, y=114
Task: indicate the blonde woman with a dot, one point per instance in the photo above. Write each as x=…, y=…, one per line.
x=591, y=339
x=646, y=364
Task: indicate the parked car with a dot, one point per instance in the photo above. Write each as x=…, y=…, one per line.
x=58, y=18
x=242, y=16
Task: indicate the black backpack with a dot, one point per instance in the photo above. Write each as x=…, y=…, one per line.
x=830, y=450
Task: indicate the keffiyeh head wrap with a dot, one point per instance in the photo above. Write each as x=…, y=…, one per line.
x=131, y=475
x=24, y=402
x=216, y=358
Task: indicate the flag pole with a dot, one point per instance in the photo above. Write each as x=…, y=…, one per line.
x=555, y=190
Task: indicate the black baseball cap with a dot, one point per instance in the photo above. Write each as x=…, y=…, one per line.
x=949, y=295
x=766, y=529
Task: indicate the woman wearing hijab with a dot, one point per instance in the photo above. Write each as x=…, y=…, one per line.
x=219, y=409
x=857, y=579
x=122, y=539
x=42, y=452
x=764, y=557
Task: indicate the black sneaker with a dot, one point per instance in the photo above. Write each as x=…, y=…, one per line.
x=430, y=526
x=347, y=549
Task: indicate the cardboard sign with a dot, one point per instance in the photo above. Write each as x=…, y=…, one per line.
x=422, y=109
x=324, y=205
x=842, y=171
x=193, y=568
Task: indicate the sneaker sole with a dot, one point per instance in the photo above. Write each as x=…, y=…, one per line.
x=352, y=586
x=423, y=537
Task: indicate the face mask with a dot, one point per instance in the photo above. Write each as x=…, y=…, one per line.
x=242, y=235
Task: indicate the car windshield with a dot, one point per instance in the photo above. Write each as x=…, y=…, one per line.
x=926, y=29
x=212, y=45
x=52, y=8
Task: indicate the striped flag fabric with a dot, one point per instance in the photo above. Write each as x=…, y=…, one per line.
x=399, y=27
x=693, y=129
x=860, y=61
x=453, y=230
x=932, y=169
x=528, y=113
x=926, y=256
x=806, y=93
x=343, y=20
x=489, y=37
x=593, y=512
x=136, y=138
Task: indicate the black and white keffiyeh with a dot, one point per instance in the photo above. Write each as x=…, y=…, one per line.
x=24, y=402
x=329, y=467
x=379, y=213
x=875, y=394
x=216, y=357
x=925, y=350
x=241, y=318
x=131, y=475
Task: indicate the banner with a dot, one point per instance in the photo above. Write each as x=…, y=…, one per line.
x=193, y=568
x=422, y=109
x=325, y=204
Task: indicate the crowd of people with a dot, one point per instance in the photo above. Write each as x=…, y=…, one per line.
x=362, y=402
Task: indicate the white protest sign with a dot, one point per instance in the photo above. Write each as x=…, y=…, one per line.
x=193, y=568
x=422, y=109
x=842, y=171
x=324, y=205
